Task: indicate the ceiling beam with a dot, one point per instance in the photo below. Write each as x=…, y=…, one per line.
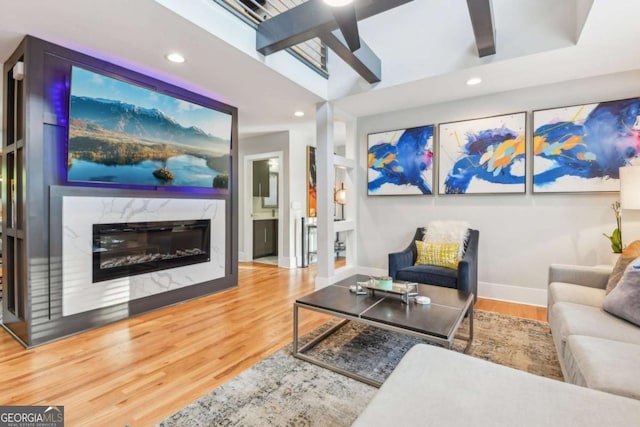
x=484, y=30
x=363, y=60
x=348, y=23
x=308, y=20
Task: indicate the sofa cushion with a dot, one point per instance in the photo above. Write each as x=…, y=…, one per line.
x=429, y=274
x=624, y=300
x=433, y=387
x=603, y=364
x=629, y=254
x=442, y=254
x=577, y=294
x=577, y=319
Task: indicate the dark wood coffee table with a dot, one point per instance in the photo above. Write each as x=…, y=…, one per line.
x=437, y=322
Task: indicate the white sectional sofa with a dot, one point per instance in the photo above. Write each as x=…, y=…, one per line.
x=432, y=386
x=599, y=354
x=595, y=349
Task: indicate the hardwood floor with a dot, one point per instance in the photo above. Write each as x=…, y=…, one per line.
x=512, y=309
x=138, y=371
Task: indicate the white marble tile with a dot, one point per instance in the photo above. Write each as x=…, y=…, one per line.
x=79, y=214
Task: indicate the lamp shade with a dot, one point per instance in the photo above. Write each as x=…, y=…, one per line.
x=341, y=195
x=630, y=187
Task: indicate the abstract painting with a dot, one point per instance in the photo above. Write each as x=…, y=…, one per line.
x=312, y=199
x=400, y=162
x=483, y=156
x=581, y=148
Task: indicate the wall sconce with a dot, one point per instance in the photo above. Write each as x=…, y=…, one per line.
x=340, y=197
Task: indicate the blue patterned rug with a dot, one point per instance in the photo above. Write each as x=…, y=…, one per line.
x=284, y=391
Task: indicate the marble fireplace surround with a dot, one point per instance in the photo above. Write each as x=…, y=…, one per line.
x=79, y=214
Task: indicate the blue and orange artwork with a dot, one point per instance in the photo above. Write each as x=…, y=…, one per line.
x=483, y=155
x=581, y=148
x=401, y=162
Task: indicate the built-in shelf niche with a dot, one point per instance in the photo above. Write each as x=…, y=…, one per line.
x=345, y=229
x=343, y=162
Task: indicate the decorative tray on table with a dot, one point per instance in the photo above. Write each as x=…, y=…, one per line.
x=386, y=284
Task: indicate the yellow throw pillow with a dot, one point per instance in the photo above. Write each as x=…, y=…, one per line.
x=441, y=254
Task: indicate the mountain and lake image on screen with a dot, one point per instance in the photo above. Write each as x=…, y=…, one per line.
x=121, y=133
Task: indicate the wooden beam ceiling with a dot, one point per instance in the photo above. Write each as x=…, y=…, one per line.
x=315, y=19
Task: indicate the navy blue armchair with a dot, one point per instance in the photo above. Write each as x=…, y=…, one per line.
x=401, y=266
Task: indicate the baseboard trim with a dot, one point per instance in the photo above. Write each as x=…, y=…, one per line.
x=343, y=273
x=242, y=257
x=322, y=282
x=515, y=294
x=287, y=262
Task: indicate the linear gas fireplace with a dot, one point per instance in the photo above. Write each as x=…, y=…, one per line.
x=131, y=248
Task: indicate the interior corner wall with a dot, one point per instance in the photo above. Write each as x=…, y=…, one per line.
x=520, y=235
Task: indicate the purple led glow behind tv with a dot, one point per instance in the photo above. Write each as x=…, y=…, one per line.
x=127, y=135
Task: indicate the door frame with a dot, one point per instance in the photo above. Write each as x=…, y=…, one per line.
x=247, y=220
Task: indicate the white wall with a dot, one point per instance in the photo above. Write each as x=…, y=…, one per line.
x=520, y=235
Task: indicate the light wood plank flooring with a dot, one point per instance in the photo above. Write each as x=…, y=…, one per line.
x=512, y=309
x=138, y=371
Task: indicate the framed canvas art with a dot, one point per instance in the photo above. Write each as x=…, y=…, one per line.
x=400, y=162
x=483, y=156
x=580, y=148
x=311, y=182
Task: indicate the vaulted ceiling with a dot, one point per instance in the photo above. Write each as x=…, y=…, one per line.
x=427, y=50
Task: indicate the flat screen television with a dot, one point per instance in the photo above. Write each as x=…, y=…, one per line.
x=124, y=134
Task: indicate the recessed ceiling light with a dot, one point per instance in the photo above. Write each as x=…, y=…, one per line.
x=474, y=81
x=175, y=57
x=337, y=3
x=299, y=113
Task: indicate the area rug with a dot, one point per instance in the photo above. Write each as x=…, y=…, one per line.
x=284, y=391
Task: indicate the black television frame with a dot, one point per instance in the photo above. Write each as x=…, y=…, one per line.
x=164, y=88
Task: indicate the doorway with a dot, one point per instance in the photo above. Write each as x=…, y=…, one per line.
x=263, y=222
